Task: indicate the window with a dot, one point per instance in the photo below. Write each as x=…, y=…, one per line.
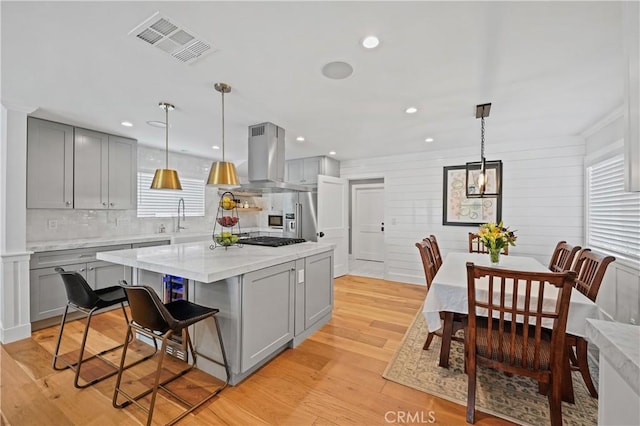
x=164, y=203
x=613, y=216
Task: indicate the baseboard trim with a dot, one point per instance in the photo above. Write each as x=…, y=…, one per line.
x=14, y=334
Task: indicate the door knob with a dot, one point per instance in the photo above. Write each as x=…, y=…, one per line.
x=321, y=234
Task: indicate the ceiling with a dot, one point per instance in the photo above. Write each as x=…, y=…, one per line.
x=548, y=68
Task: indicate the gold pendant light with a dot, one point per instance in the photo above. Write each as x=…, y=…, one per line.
x=166, y=178
x=223, y=173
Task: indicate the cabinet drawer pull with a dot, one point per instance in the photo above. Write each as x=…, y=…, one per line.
x=80, y=270
x=111, y=204
x=86, y=255
x=92, y=268
x=68, y=203
x=104, y=204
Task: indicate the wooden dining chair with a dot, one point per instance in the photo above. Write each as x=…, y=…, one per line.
x=435, y=249
x=477, y=246
x=429, y=265
x=525, y=348
x=590, y=269
x=562, y=257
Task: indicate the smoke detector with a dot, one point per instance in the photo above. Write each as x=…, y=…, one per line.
x=165, y=34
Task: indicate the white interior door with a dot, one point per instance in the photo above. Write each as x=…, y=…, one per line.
x=368, y=222
x=333, y=219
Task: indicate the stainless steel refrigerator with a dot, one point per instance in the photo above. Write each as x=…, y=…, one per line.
x=300, y=211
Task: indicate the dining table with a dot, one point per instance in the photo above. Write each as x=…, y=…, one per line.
x=448, y=295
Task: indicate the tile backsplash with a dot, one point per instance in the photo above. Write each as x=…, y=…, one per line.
x=66, y=224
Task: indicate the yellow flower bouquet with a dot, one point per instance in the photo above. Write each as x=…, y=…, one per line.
x=495, y=237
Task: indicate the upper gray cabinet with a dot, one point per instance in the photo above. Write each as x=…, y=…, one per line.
x=78, y=168
x=49, y=165
x=104, y=171
x=305, y=171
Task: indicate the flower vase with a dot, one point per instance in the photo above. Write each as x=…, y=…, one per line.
x=494, y=254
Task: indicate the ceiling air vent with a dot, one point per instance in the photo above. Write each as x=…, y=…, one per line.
x=257, y=130
x=168, y=36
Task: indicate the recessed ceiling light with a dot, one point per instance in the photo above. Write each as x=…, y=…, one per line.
x=428, y=140
x=332, y=153
x=215, y=147
x=160, y=124
x=337, y=70
x=411, y=110
x=300, y=139
x=370, y=42
x=127, y=124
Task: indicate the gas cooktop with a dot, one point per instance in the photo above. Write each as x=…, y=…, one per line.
x=270, y=241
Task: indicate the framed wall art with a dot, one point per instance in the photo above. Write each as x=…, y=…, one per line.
x=458, y=210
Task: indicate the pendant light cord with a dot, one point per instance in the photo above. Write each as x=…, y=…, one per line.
x=166, y=139
x=223, y=126
x=481, y=138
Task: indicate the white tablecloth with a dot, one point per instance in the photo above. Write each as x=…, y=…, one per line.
x=448, y=291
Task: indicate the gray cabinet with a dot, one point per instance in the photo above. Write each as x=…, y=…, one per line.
x=318, y=298
x=104, y=171
x=49, y=165
x=313, y=291
x=100, y=274
x=47, y=294
x=267, y=312
x=123, y=168
x=71, y=167
x=305, y=171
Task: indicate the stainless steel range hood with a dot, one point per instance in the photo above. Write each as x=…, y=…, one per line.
x=266, y=161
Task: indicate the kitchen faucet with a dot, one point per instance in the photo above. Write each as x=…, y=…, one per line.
x=180, y=201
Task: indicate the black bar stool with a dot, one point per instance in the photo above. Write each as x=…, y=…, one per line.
x=82, y=297
x=156, y=320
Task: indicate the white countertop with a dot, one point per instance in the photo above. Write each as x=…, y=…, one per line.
x=620, y=344
x=198, y=262
x=40, y=246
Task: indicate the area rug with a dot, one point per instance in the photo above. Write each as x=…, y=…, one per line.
x=513, y=398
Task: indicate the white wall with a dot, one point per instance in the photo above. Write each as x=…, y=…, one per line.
x=78, y=223
x=543, y=189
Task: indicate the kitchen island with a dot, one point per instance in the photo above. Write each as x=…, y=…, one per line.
x=270, y=298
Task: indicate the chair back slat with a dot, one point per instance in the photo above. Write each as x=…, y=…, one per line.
x=428, y=263
x=516, y=307
x=590, y=269
x=435, y=248
x=477, y=246
x=562, y=257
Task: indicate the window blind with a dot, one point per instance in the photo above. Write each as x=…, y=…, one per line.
x=613, y=215
x=164, y=203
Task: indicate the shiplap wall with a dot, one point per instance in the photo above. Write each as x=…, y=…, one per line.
x=543, y=193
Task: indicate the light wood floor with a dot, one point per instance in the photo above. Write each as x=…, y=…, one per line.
x=333, y=378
